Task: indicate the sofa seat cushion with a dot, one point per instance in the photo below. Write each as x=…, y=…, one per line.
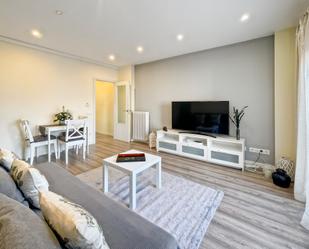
x=21, y=228
x=123, y=228
x=9, y=188
x=29, y=180
x=76, y=227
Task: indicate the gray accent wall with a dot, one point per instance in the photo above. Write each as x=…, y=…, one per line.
x=242, y=73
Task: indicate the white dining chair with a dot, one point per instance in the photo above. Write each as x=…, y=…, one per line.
x=87, y=130
x=34, y=142
x=74, y=135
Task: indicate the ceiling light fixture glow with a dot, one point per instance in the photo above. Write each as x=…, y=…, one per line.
x=112, y=57
x=36, y=33
x=140, y=49
x=245, y=17
x=59, y=12
x=180, y=37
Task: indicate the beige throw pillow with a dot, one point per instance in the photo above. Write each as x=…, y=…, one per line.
x=77, y=227
x=6, y=158
x=29, y=180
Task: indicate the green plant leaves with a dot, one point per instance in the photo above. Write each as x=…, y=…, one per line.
x=62, y=116
x=237, y=116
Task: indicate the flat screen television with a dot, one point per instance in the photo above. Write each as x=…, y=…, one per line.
x=201, y=117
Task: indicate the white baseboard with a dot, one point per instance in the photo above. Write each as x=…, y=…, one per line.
x=251, y=164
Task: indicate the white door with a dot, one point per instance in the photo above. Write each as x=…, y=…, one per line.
x=122, y=111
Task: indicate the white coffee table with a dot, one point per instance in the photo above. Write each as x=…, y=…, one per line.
x=132, y=169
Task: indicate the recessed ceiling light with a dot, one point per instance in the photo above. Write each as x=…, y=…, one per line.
x=112, y=57
x=140, y=49
x=245, y=17
x=36, y=33
x=59, y=12
x=180, y=37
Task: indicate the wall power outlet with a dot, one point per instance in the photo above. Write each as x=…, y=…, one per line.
x=258, y=150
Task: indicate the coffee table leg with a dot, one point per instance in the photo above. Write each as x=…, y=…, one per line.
x=158, y=175
x=133, y=191
x=105, y=178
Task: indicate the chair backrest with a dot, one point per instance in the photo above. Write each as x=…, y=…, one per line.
x=26, y=130
x=75, y=129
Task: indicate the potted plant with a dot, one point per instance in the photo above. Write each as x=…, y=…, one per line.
x=236, y=118
x=63, y=116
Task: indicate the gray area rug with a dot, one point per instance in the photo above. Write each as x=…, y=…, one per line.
x=181, y=207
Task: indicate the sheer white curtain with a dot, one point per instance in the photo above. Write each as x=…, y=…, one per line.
x=301, y=188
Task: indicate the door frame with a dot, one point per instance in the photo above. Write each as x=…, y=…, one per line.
x=94, y=80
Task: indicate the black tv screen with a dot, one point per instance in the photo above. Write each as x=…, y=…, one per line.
x=204, y=117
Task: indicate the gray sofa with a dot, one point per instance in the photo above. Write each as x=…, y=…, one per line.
x=123, y=229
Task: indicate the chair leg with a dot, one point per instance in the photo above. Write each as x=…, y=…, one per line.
x=76, y=149
x=55, y=149
x=31, y=155
x=84, y=150
x=66, y=154
x=25, y=153
x=59, y=150
x=87, y=140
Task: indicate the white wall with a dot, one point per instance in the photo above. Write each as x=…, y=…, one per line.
x=34, y=85
x=242, y=73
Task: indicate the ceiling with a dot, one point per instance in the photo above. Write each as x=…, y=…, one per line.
x=95, y=29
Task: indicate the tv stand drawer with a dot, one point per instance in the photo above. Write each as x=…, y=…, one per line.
x=224, y=157
x=167, y=146
x=193, y=151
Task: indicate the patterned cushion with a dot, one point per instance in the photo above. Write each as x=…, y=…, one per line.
x=8, y=187
x=74, y=225
x=6, y=158
x=20, y=228
x=29, y=180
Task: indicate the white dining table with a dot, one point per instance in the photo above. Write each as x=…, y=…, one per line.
x=48, y=130
x=53, y=128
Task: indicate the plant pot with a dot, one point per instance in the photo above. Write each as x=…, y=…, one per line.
x=281, y=178
x=237, y=133
x=62, y=122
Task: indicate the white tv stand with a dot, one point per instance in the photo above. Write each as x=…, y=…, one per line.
x=223, y=150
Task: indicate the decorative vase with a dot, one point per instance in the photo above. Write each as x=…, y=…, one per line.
x=237, y=133
x=152, y=140
x=281, y=178
x=62, y=122
x=287, y=165
x=268, y=170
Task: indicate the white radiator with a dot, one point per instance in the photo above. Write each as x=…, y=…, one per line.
x=140, y=126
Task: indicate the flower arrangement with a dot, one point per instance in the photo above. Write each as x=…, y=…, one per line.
x=236, y=118
x=63, y=116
